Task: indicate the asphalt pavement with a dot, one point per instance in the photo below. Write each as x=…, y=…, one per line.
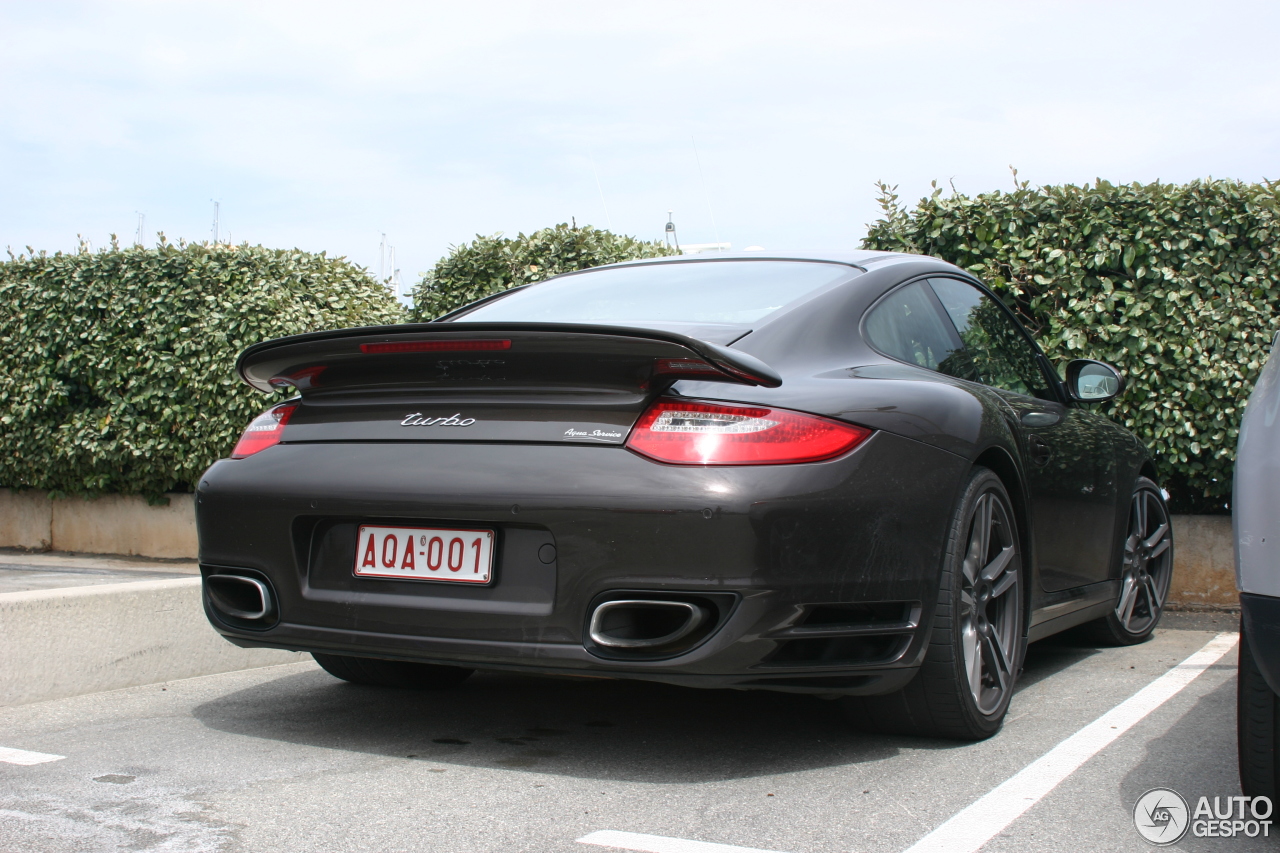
x=287, y=758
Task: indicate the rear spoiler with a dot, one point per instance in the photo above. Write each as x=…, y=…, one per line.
x=319, y=359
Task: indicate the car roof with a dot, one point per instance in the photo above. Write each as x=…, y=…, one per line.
x=850, y=257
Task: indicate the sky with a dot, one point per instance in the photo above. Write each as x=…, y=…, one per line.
x=324, y=126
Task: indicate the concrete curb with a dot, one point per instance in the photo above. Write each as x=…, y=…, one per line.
x=68, y=642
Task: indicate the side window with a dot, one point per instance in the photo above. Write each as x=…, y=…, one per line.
x=1000, y=353
x=908, y=326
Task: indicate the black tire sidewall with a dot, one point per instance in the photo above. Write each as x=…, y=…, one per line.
x=1257, y=727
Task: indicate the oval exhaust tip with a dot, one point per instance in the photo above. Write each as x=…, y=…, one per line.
x=239, y=597
x=643, y=623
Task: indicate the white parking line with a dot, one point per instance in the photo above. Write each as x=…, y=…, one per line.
x=660, y=843
x=973, y=827
x=21, y=756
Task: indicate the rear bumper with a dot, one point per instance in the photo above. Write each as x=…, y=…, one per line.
x=776, y=540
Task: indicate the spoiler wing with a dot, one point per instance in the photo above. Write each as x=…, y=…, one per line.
x=416, y=354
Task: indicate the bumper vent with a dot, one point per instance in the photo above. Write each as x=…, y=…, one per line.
x=853, y=634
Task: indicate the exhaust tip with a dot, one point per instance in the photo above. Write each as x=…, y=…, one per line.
x=239, y=597
x=644, y=624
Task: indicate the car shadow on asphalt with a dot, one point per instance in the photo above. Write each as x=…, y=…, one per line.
x=578, y=727
x=1052, y=655
x=582, y=727
x=1045, y=658
x=1198, y=758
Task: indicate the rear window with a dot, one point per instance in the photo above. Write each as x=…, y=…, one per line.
x=731, y=292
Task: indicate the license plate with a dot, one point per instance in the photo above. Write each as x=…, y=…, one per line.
x=425, y=553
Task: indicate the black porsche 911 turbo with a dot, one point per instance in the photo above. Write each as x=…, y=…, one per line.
x=853, y=475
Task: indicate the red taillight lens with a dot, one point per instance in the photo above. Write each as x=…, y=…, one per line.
x=689, y=433
x=264, y=430
x=434, y=346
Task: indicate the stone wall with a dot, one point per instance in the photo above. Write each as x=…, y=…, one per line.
x=1204, y=568
x=111, y=524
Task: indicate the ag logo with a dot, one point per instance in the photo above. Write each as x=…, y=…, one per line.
x=1161, y=816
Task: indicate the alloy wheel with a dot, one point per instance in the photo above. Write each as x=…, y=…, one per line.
x=990, y=603
x=1148, y=564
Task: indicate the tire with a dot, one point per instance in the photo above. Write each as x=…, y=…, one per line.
x=1146, y=569
x=978, y=639
x=1257, y=728
x=405, y=675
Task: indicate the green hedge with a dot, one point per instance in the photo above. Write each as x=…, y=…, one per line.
x=116, y=367
x=1174, y=284
x=490, y=265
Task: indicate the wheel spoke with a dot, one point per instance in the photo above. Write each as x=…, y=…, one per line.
x=975, y=555
x=997, y=566
x=1127, y=595
x=979, y=541
x=1140, y=504
x=972, y=659
x=1002, y=659
x=1150, y=541
x=1130, y=546
x=1126, y=616
x=1159, y=549
x=1002, y=586
x=992, y=659
x=1153, y=595
x=966, y=602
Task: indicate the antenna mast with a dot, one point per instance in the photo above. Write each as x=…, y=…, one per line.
x=395, y=275
x=388, y=275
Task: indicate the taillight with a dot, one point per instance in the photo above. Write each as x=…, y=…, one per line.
x=689, y=433
x=264, y=430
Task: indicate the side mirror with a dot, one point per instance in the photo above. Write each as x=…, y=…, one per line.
x=1090, y=381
